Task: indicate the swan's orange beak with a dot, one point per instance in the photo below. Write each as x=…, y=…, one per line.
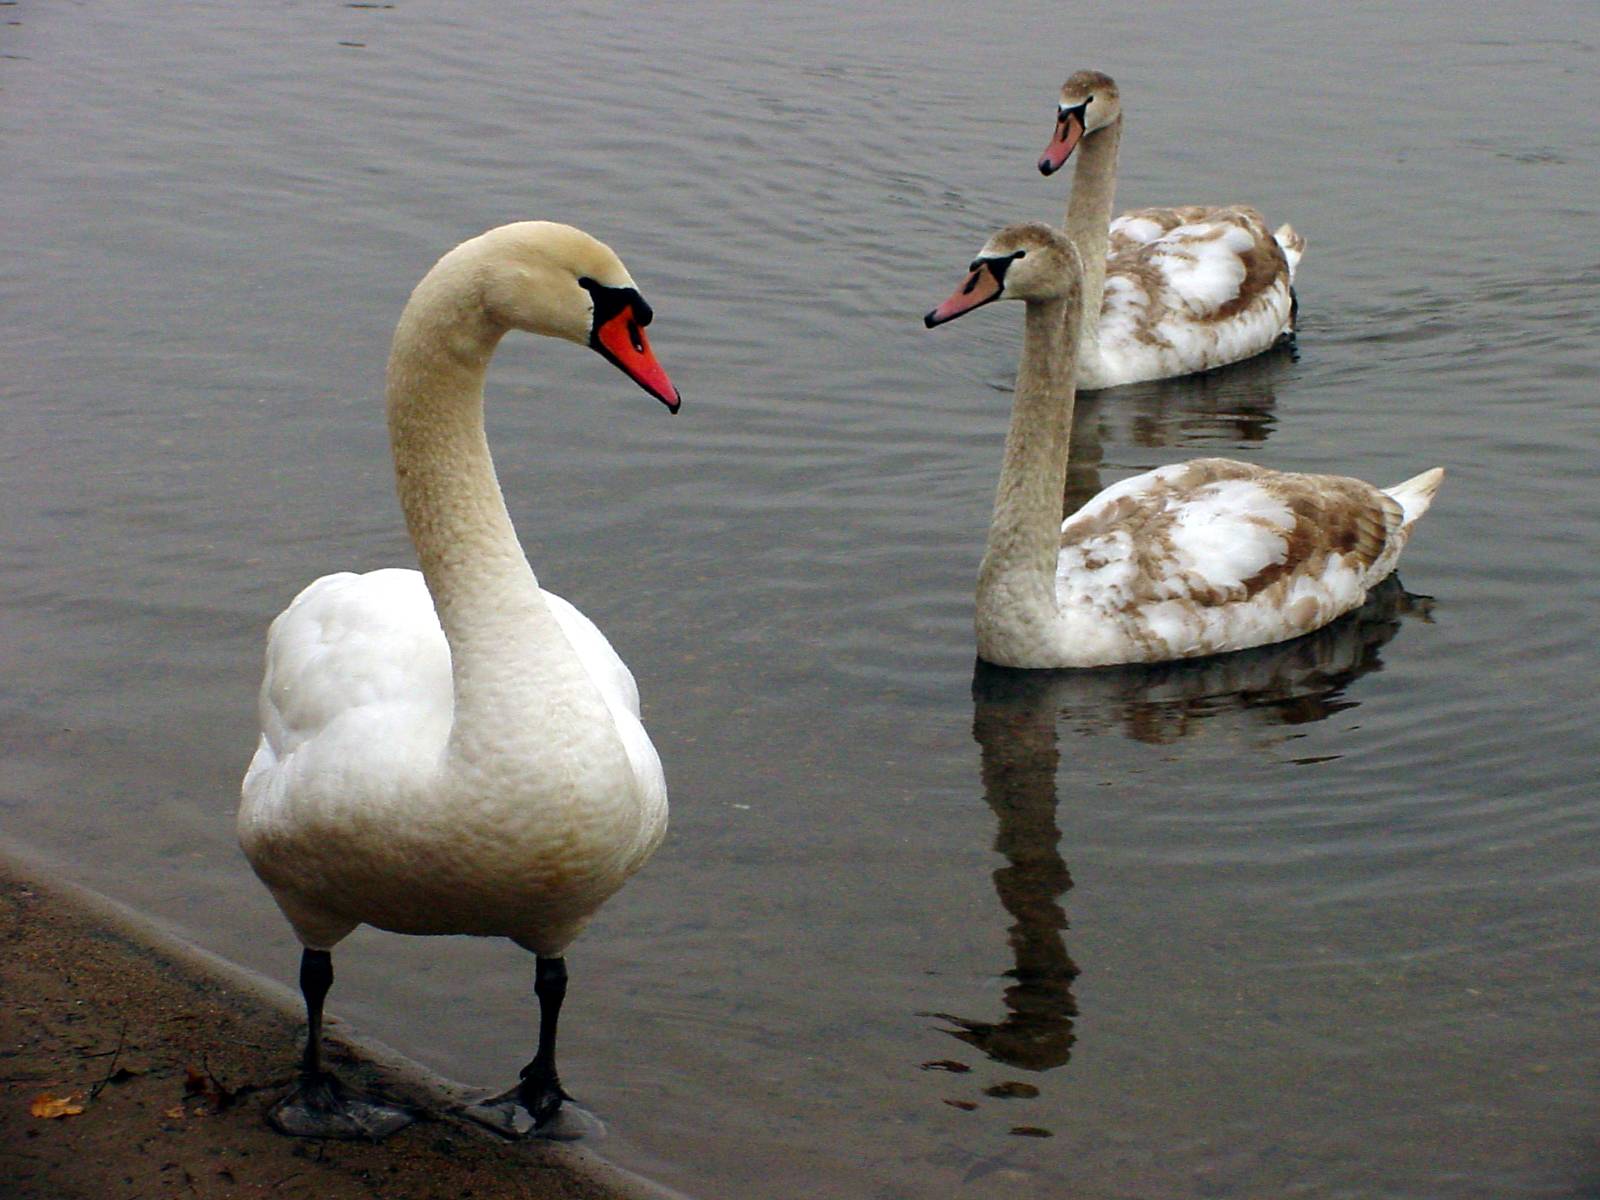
x=621, y=339
x=982, y=286
x=1069, y=131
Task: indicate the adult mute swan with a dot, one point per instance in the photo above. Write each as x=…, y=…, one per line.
x=1190, y=559
x=456, y=751
x=1167, y=291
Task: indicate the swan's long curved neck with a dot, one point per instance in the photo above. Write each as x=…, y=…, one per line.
x=1088, y=220
x=1019, y=563
x=503, y=636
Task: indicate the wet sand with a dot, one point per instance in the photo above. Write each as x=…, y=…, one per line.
x=162, y=1064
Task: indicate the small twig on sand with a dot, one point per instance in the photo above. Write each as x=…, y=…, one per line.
x=111, y=1070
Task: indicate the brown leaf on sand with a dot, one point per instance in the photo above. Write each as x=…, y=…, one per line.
x=53, y=1107
x=204, y=1092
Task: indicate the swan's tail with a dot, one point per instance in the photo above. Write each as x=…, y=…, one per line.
x=1293, y=246
x=1415, y=495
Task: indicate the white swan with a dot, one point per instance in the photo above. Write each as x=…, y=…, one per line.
x=1167, y=291
x=1190, y=559
x=456, y=751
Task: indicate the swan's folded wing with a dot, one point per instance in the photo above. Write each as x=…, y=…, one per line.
x=351, y=643
x=1207, y=284
x=616, y=683
x=604, y=664
x=1141, y=227
x=1206, y=555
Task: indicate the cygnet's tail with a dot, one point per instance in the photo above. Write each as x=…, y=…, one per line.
x=1415, y=495
x=1293, y=246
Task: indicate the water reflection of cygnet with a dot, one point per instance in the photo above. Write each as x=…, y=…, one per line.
x=1232, y=408
x=1015, y=725
x=1291, y=683
x=1221, y=412
x=1016, y=718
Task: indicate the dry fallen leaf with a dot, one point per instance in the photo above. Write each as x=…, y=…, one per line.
x=50, y=1107
x=177, y=1112
x=206, y=1088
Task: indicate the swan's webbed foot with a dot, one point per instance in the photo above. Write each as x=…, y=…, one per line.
x=536, y=1108
x=542, y=1095
x=320, y=1106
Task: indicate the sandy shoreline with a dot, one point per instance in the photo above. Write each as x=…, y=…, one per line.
x=172, y=1058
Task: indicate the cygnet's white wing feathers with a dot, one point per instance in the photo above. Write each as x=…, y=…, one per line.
x=1188, y=289
x=1213, y=555
x=1292, y=244
x=1415, y=495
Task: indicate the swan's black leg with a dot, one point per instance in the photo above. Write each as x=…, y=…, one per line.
x=540, y=1091
x=316, y=977
x=319, y=1105
x=537, y=1106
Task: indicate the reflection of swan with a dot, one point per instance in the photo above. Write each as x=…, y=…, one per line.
x=1187, y=560
x=1086, y=454
x=489, y=777
x=1015, y=720
x=1291, y=683
x=1168, y=291
x=1235, y=407
x=1222, y=408
x=1014, y=723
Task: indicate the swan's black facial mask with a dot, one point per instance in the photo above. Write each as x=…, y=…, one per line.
x=986, y=283
x=1070, y=124
x=617, y=334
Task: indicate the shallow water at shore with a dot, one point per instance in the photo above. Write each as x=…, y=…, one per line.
x=1315, y=920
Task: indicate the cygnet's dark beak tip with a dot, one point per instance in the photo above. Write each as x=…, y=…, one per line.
x=927, y=319
x=1046, y=167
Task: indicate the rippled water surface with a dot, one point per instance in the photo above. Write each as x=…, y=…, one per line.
x=1317, y=920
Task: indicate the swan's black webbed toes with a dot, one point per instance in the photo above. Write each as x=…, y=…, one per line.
x=536, y=1109
x=541, y=1095
x=321, y=1106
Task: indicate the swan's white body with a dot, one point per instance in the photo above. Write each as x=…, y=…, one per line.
x=1192, y=559
x=354, y=811
x=1167, y=291
x=455, y=751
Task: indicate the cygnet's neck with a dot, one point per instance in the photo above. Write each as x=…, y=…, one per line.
x=1016, y=582
x=1088, y=220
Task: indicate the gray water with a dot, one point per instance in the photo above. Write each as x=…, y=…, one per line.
x=1317, y=920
